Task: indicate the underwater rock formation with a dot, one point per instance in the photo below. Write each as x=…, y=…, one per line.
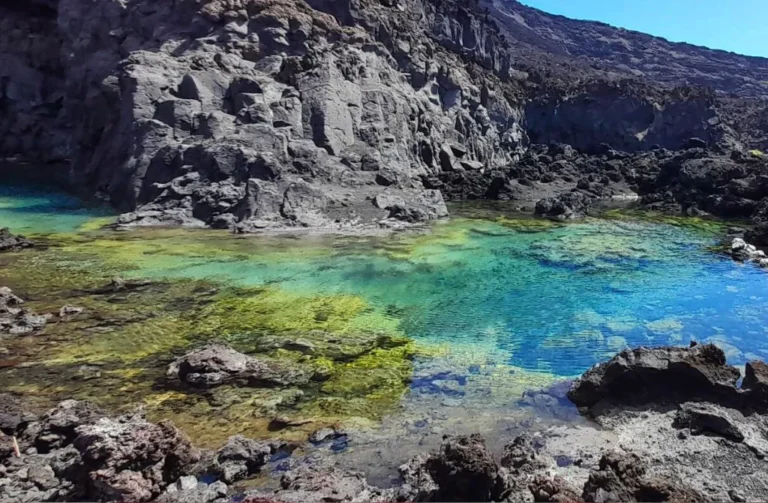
x=698, y=449
x=15, y=319
x=10, y=241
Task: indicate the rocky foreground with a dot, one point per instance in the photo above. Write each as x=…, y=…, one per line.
x=671, y=424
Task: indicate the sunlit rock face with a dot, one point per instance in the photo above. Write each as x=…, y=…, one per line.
x=258, y=114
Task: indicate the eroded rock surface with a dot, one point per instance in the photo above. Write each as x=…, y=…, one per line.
x=262, y=114
x=216, y=364
x=659, y=375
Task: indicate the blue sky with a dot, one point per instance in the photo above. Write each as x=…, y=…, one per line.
x=733, y=25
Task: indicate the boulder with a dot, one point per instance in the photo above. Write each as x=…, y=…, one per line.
x=464, y=470
x=188, y=490
x=743, y=251
x=519, y=456
x=216, y=364
x=13, y=415
x=57, y=428
x=758, y=234
x=553, y=489
x=240, y=458
x=10, y=242
x=659, y=375
x=622, y=477
x=130, y=459
x=756, y=384
x=569, y=205
x=708, y=418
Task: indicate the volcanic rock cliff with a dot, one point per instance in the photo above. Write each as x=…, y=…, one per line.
x=254, y=114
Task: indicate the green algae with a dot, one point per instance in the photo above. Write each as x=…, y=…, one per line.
x=508, y=302
x=361, y=358
x=701, y=225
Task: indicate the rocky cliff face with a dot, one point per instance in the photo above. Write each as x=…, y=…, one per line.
x=254, y=114
x=598, y=46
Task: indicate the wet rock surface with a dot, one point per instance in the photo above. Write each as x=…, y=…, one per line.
x=216, y=364
x=15, y=319
x=10, y=242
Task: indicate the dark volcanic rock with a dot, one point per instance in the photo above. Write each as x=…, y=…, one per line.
x=708, y=418
x=131, y=459
x=216, y=364
x=621, y=477
x=58, y=427
x=569, y=205
x=240, y=458
x=286, y=113
x=320, y=485
x=463, y=470
x=10, y=242
x=553, y=489
x=756, y=383
x=13, y=415
x=659, y=375
x=189, y=490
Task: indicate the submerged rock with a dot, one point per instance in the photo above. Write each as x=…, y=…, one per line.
x=659, y=375
x=240, y=458
x=10, y=242
x=216, y=364
x=118, y=284
x=15, y=319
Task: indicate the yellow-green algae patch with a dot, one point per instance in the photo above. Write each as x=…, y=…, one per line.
x=115, y=354
x=702, y=225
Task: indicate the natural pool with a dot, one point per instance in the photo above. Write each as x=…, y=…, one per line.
x=446, y=326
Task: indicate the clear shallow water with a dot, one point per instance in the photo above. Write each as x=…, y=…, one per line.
x=498, y=303
x=32, y=210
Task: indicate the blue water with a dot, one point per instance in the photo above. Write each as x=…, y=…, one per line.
x=498, y=294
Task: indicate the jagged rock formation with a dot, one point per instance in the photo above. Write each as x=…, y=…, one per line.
x=255, y=114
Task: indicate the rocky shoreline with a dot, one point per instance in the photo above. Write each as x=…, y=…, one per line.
x=669, y=424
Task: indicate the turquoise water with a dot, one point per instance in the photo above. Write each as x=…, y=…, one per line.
x=505, y=297
x=36, y=210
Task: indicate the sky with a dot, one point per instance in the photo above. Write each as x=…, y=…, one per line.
x=739, y=26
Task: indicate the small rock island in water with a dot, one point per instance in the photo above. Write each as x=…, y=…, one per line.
x=372, y=251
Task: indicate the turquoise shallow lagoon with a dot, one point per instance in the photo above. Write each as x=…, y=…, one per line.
x=502, y=302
